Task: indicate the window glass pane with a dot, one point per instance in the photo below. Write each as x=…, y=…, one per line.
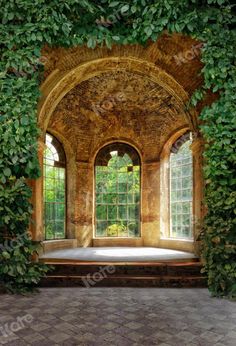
x=54, y=189
x=110, y=198
x=112, y=212
x=101, y=212
x=122, y=177
x=99, y=198
x=133, y=229
x=113, y=229
x=130, y=197
x=181, y=182
x=117, y=203
x=122, y=212
x=122, y=198
x=122, y=187
x=136, y=198
x=101, y=228
x=132, y=212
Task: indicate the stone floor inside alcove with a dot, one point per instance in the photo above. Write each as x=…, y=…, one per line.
x=118, y=316
x=119, y=254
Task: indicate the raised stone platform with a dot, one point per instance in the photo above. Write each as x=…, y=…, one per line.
x=123, y=266
x=118, y=254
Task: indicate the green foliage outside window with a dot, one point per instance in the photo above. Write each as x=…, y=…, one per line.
x=26, y=26
x=118, y=198
x=181, y=183
x=54, y=203
x=54, y=189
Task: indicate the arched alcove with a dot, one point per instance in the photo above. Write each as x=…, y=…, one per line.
x=129, y=94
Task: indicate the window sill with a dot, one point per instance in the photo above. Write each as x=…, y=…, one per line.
x=180, y=244
x=50, y=240
x=113, y=238
x=58, y=244
x=114, y=241
x=178, y=239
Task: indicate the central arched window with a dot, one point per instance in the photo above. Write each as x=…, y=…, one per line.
x=117, y=174
x=54, y=189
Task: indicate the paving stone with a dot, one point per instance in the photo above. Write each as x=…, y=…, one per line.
x=33, y=337
x=211, y=336
x=120, y=317
x=58, y=336
x=110, y=325
x=134, y=325
x=38, y=327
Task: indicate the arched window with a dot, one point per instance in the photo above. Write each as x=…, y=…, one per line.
x=117, y=173
x=54, y=189
x=181, y=188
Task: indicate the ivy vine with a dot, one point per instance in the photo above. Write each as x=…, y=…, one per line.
x=27, y=25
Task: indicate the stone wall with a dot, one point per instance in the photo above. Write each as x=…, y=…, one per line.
x=131, y=94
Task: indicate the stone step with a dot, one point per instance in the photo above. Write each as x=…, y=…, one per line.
x=136, y=274
x=167, y=268
x=123, y=281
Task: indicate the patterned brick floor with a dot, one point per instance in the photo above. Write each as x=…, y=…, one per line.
x=117, y=316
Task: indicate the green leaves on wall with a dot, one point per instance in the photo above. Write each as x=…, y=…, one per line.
x=27, y=25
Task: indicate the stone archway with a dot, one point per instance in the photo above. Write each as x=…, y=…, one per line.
x=67, y=72
x=66, y=68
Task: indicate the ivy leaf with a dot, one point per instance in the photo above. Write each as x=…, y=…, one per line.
x=124, y=9
x=116, y=38
x=91, y=42
x=7, y=172
x=20, y=269
x=148, y=31
x=114, y=4
x=10, y=15
x=6, y=255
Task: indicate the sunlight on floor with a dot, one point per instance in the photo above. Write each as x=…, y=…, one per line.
x=118, y=254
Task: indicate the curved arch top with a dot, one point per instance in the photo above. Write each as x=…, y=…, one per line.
x=111, y=141
x=104, y=154
x=59, y=83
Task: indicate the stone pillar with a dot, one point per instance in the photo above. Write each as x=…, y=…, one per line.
x=198, y=185
x=84, y=207
x=150, y=216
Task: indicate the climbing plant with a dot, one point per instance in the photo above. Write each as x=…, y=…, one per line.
x=27, y=25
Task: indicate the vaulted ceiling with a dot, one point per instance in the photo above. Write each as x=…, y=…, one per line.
x=121, y=101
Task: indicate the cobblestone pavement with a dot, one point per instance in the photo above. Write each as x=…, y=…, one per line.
x=117, y=316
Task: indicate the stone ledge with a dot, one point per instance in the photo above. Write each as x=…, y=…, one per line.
x=177, y=244
x=117, y=242
x=51, y=245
